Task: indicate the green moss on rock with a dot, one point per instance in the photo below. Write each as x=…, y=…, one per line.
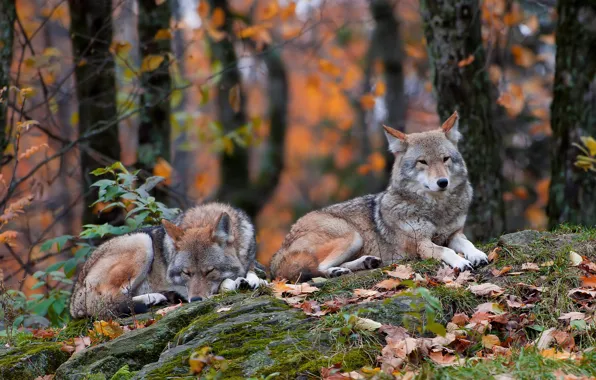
x=31, y=361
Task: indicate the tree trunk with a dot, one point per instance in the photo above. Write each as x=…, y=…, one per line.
x=91, y=30
x=7, y=18
x=154, y=130
x=452, y=30
x=234, y=167
x=573, y=114
x=386, y=45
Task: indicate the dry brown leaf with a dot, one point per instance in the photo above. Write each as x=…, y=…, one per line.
x=111, y=329
x=572, y=316
x=365, y=293
x=589, y=281
x=552, y=353
x=489, y=341
x=494, y=254
x=81, y=343
x=389, y=284
x=222, y=309
x=460, y=319
x=403, y=272
x=530, y=267
x=500, y=272
x=575, y=258
x=487, y=289
x=168, y=309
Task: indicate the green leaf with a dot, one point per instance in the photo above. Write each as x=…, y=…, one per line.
x=54, y=267
x=42, y=307
x=579, y=324
x=70, y=267
x=436, y=328
x=60, y=241
x=17, y=322
x=59, y=305
x=151, y=182
x=38, y=274
x=38, y=285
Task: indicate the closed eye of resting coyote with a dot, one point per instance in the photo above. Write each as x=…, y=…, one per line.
x=422, y=212
x=207, y=248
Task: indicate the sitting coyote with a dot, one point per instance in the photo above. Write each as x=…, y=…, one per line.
x=422, y=212
x=207, y=248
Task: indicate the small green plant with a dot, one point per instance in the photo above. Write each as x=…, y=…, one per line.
x=119, y=191
x=12, y=305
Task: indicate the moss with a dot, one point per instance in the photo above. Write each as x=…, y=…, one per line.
x=123, y=373
x=75, y=328
x=455, y=300
x=344, y=285
x=31, y=361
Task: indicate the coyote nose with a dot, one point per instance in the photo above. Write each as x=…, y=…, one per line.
x=195, y=299
x=442, y=182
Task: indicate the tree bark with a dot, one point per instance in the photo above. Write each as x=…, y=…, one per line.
x=573, y=114
x=154, y=130
x=91, y=30
x=452, y=30
x=7, y=18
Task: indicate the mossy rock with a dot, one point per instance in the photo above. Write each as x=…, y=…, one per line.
x=31, y=361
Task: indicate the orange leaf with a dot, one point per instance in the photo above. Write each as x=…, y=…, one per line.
x=388, y=284
x=163, y=169
x=380, y=88
x=523, y=56
x=377, y=162
x=489, y=341
x=466, y=61
x=218, y=18
x=163, y=34
x=367, y=101
x=329, y=68
x=271, y=10
x=288, y=11
x=589, y=281
x=203, y=9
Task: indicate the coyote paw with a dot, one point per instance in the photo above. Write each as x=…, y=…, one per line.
x=456, y=261
x=251, y=281
x=476, y=256
x=371, y=262
x=150, y=299
x=337, y=271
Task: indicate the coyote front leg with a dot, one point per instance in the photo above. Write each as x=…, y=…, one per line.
x=427, y=249
x=459, y=243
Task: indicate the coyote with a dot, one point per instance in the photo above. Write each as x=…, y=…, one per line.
x=207, y=248
x=422, y=212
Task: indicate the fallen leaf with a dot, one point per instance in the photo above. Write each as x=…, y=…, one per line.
x=403, y=272
x=222, y=309
x=67, y=348
x=552, y=353
x=489, y=341
x=166, y=310
x=81, y=343
x=460, y=319
x=466, y=61
x=489, y=307
x=367, y=324
x=111, y=329
x=487, y=289
x=500, y=272
x=564, y=340
x=530, y=267
x=388, y=284
x=545, y=339
x=572, y=316
x=589, y=281
x=575, y=258
x=494, y=254
x=365, y=293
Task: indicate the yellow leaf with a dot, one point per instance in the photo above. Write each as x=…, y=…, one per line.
x=163, y=169
x=216, y=35
x=218, y=18
x=489, y=341
x=151, y=62
x=552, y=353
x=52, y=52
x=228, y=145
x=329, y=68
x=110, y=329
x=234, y=98
x=590, y=143
x=25, y=125
x=163, y=34
x=74, y=119
x=367, y=101
x=288, y=11
x=27, y=92
x=380, y=88
x=176, y=98
x=270, y=10
x=120, y=47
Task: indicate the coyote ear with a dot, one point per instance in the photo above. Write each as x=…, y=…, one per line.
x=396, y=139
x=221, y=234
x=172, y=230
x=450, y=127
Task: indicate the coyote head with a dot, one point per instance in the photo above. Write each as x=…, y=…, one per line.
x=204, y=257
x=427, y=162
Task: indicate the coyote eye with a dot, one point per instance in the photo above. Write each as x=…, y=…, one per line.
x=209, y=270
x=186, y=273
x=445, y=159
x=422, y=162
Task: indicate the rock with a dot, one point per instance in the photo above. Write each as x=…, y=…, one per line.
x=388, y=312
x=521, y=239
x=31, y=361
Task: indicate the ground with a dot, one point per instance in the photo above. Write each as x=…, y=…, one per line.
x=527, y=314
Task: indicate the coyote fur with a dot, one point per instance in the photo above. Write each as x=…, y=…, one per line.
x=422, y=212
x=205, y=249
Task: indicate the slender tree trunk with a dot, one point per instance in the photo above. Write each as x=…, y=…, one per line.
x=182, y=156
x=573, y=113
x=7, y=18
x=386, y=45
x=91, y=30
x=154, y=130
x=452, y=30
x=234, y=167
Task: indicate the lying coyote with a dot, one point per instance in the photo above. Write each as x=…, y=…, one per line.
x=422, y=212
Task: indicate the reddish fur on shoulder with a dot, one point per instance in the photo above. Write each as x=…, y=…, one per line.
x=299, y=266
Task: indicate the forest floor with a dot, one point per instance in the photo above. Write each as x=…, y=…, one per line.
x=528, y=314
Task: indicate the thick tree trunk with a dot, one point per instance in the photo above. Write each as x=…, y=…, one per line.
x=573, y=113
x=7, y=18
x=91, y=30
x=234, y=167
x=154, y=130
x=452, y=30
